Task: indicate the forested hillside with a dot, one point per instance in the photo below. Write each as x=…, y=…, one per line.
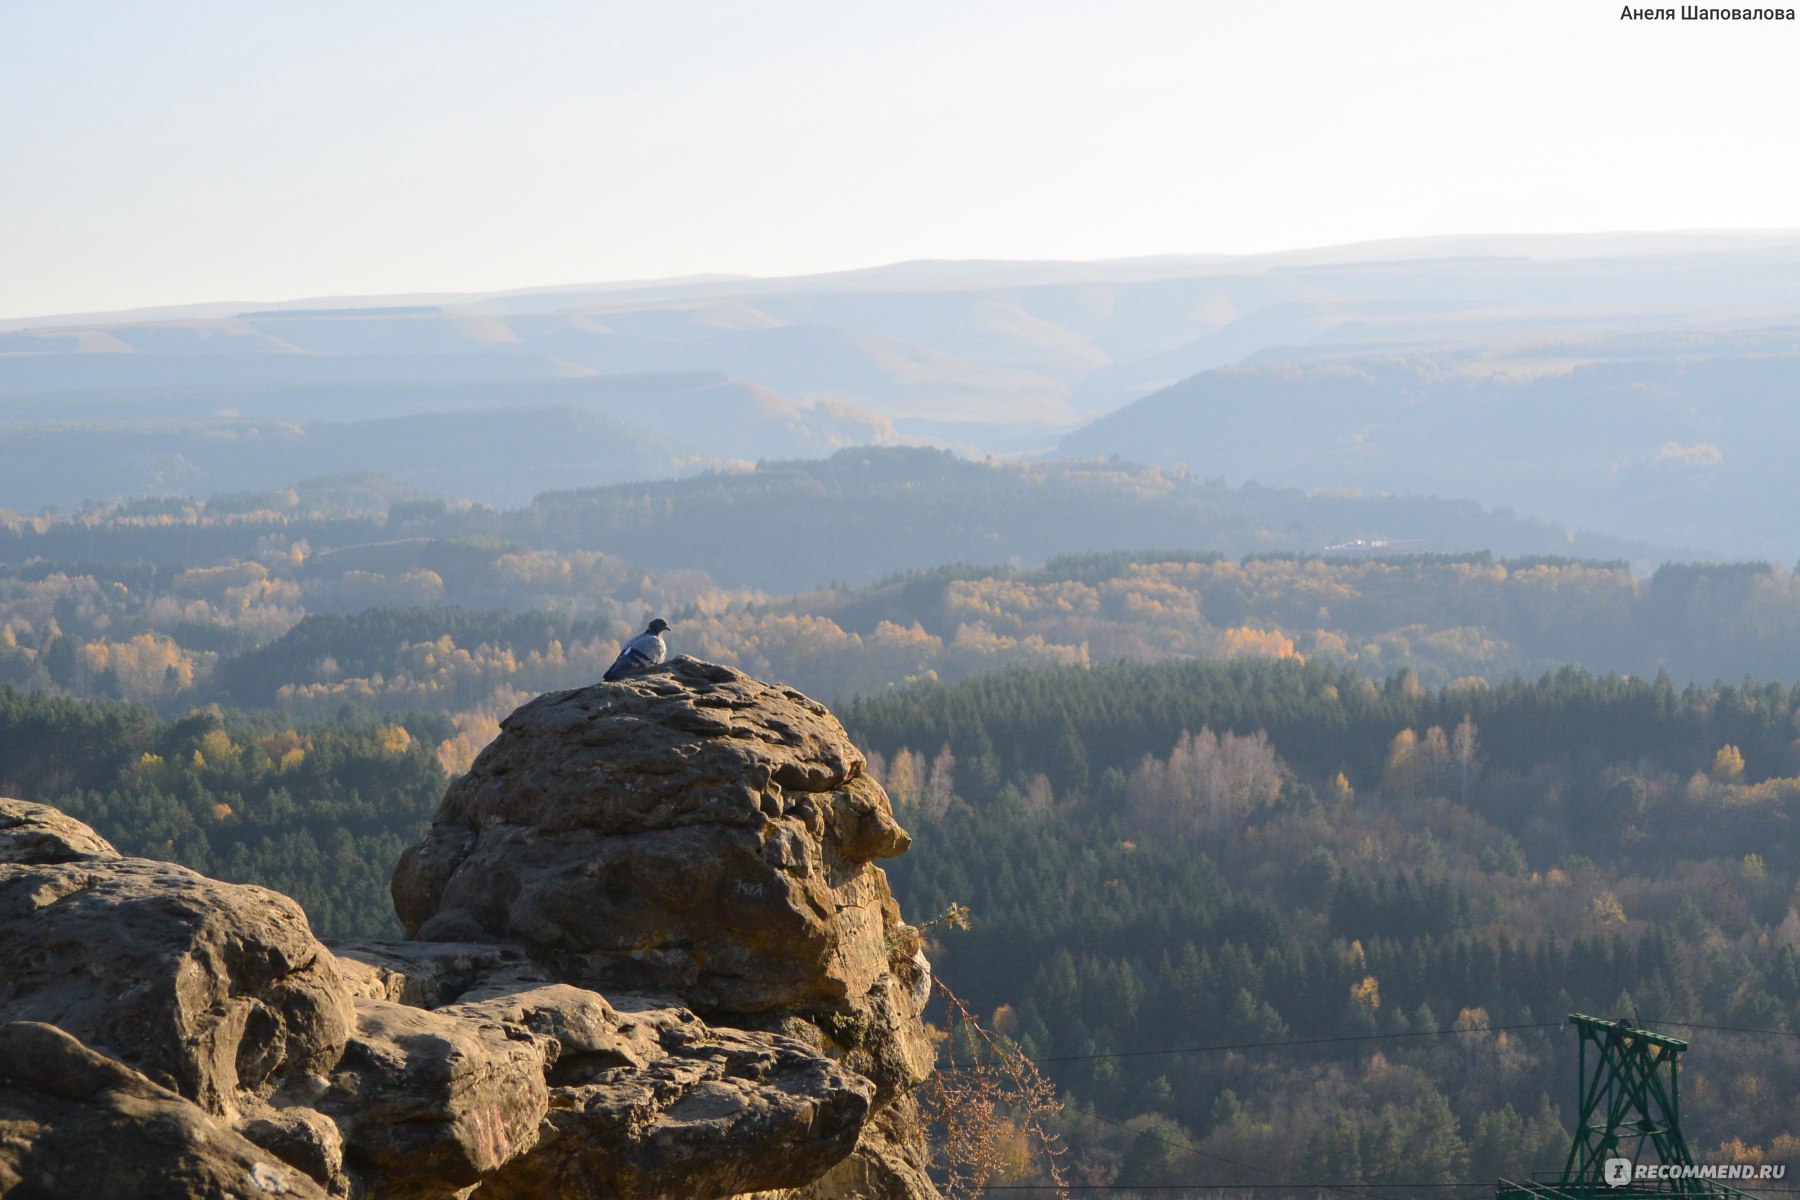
x=866, y=513
x=1192, y=855
x=354, y=589
x=470, y=626
x=320, y=812
x=784, y=526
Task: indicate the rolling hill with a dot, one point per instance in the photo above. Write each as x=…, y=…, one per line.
x=1632, y=383
x=1677, y=439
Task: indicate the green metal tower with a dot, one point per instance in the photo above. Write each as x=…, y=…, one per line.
x=1630, y=1108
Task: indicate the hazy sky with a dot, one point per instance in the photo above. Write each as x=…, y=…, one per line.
x=171, y=152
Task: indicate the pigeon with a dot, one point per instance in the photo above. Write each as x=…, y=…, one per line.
x=644, y=650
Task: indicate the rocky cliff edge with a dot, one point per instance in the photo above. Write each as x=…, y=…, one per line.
x=649, y=956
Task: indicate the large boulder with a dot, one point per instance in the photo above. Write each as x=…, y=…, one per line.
x=691, y=831
x=216, y=991
x=649, y=1103
x=430, y=1102
x=634, y=1098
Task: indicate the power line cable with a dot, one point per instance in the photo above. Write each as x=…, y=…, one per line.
x=1720, y=1028
x=1322, y=1041
x=1290, y=1042
x=1285, y=1043
x=1287, y=1180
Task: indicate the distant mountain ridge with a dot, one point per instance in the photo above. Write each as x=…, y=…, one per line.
x=964, y=273
x=856, y=516
x=1411, y=356
x=501, y=442
x=867, y=512
x=1008, y=351
x=1682, y=440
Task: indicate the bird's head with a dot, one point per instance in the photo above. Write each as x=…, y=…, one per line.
x=658, y=625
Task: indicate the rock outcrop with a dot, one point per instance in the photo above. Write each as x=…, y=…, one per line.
x=649, y=956
x=694, y=832
x=37, y=833
x=217, y=991
x=689, y=830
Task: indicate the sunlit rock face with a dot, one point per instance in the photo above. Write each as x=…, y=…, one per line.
x=691, y=831
x=216, y=991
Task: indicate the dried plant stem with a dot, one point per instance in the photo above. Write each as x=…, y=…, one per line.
x=976, y=1104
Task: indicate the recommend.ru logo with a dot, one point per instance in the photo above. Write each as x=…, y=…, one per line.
x=1621, y=1172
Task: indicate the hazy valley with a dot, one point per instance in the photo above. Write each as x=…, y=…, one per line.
x=1630, y=386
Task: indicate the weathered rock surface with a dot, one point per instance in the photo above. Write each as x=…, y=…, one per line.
x=432, y=974
x=648, y=1102
x=430, y=1102
x=891, y=1163
x=214, y=990
x=688, y=840
x=689, y=830
x=37, y=833
x=76, y=1124
x=692, y=831
x=636, y=1098
x=304, y=1138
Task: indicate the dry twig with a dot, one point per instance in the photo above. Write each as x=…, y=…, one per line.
x=993, y=1094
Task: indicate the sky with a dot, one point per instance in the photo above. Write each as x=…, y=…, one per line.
x=192, y=150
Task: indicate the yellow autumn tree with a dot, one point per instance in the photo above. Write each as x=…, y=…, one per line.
x=393, y=739
x=903, y=778
x=1608, y=912
x=148, y=667
x=474, y=731
x=1728, y=764
x=1400, y=772
x=1242, y=641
